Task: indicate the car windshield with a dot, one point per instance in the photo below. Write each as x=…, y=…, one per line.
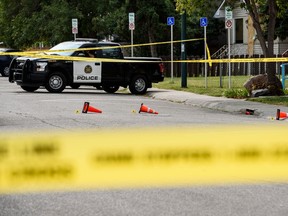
x=65, y=46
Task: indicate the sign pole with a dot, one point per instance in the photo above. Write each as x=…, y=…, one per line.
x=171, y=53
x=74, y=27
x=171, y=22
x=131, y=17
x=204, y=23
x=205, y=57
x=132, y=54
x=229, y=56
x=228, y=26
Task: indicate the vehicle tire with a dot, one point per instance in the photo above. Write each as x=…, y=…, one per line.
x=29, y=88
x=98, y=87
x=110, y=89
x=5, y=72
x=56, y=82
x=75, y=86
x=138, y=85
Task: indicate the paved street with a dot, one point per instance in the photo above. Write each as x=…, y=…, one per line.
x=24, y=112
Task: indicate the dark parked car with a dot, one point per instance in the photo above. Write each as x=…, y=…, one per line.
x=5, y=60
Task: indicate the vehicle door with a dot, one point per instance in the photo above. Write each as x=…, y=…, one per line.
x=112, y=71
x=87, y=71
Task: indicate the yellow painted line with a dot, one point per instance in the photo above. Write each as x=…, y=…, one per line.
x=155, y=157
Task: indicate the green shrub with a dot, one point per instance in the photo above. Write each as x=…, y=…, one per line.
x=236, y=93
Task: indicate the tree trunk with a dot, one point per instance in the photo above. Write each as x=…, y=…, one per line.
x=267, y=47
x=153, y=49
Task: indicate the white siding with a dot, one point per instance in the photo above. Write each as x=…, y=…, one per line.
x=239, y=13
x=279, y=47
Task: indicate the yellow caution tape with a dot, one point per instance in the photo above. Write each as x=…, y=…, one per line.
x=41, y=54
x=209, y=56
x=155, y=157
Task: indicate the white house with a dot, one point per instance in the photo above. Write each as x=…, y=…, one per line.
x=243, y=37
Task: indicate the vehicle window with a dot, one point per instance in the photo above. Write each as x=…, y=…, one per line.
x=111, y=53
x=3, y=58
x=65, y=46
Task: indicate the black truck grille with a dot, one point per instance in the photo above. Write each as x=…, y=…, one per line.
x=19, y=69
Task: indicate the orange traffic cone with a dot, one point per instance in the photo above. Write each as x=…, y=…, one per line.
x=88, y=108
x=144, y=108
x=281, y=115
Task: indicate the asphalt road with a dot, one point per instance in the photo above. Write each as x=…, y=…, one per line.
x=23, y=112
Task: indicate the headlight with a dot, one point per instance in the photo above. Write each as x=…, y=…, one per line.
x=40, y=66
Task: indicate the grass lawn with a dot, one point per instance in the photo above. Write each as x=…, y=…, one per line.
x=211, y=86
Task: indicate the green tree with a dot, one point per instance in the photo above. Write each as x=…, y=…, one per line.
x=265, y=15
x=26, y=22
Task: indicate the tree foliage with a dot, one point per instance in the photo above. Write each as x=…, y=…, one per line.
x=269, y=20
x=26, y=22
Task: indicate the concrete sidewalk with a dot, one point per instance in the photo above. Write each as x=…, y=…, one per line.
x=236, y=106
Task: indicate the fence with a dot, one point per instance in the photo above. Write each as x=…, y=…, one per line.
x=219, y=69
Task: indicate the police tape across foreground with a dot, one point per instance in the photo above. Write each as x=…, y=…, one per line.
x=135, y=158
x=43, y=54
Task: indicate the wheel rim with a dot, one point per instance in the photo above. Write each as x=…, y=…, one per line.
x=6, y=71
x=140, y=85
x=55, y=82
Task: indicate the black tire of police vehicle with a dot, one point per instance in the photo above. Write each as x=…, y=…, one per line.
x=75, y=86
x=5, y=72
x=56, y=82
x=138, y=85
x=29, y=88
x=98, y=87
x=110, y=89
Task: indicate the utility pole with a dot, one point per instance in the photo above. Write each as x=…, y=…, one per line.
x=183, y=51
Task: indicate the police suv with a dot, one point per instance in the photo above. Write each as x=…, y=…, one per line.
x=106, y=68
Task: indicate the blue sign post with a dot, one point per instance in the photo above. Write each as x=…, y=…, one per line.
x=171, y=22
x=204, y=23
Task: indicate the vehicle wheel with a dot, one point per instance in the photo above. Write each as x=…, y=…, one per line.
x=5, y=72
x=138, y=85
x=98, y=87
x=110, y=89
x=29, y=88
x=56, y=83
x=75, y=86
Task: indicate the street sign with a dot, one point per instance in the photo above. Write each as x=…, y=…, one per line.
x=74, y=26
x=228, y=23
x=131, y=18
x=131, y=21
x=131, y=26
x=203, y=21
x=170, y=21
x=228, y=13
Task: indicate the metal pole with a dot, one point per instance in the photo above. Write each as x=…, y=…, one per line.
x=183, y=51
x=205, y=57
x=229, y=57
x=132, y=54
x=171, y=53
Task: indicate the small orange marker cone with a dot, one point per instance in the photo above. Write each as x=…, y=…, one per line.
x=146, y=109
x=88, y=108
x=281, y=115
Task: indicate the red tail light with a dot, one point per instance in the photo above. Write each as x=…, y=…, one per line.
x=161, y=67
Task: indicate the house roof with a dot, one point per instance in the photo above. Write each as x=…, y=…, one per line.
x=220, y=13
